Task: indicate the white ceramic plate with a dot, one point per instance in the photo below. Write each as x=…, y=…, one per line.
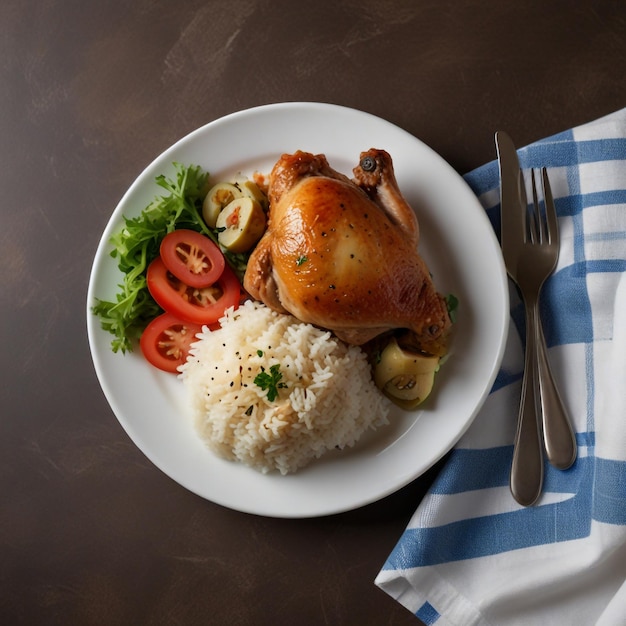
x=459, y=246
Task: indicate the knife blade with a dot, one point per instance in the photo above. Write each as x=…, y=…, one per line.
x=511, y=212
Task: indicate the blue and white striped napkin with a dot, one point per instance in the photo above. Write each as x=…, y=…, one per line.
x=470, y=554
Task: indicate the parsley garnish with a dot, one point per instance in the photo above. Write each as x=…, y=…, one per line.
x=270, y=382
x=452, y=302
x=301, y=259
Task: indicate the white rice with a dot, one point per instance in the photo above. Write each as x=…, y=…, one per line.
x=329, y=400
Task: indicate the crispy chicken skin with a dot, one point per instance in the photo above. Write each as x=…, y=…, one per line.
x=342, y=254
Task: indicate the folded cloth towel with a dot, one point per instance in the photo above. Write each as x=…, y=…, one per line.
x=470, y=554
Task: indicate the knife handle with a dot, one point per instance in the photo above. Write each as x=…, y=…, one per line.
x=526, y=478
x=559, y=438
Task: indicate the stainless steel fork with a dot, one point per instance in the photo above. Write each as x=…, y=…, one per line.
x=538, y=258
x=558, y=434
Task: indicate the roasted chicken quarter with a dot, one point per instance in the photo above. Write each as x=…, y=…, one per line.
x=342, y=253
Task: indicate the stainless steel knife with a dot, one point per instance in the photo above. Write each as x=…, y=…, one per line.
x=527, y=466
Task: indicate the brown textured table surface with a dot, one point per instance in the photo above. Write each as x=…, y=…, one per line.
x=91, y=92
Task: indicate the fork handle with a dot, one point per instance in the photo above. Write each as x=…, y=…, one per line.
x=526, y=478
x=559, y=438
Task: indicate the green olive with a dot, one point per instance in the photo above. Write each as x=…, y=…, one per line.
x=217, y=199
x=251, y=190
x=241, y=224
x=405, y=377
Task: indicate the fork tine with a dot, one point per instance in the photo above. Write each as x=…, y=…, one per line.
x=522, y=188
x=537, y=230
x=551, y=218
x=527, y=225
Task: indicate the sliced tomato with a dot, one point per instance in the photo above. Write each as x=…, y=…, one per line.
x=165, y=341
x=199, y=305
x=192, y=257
